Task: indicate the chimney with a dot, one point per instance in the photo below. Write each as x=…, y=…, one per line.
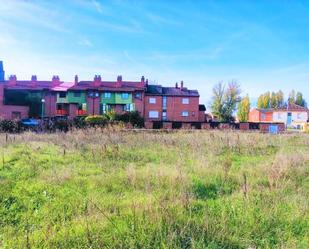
x=12, y=80
x=76, y=79
x=143, y=79
x=181, y=85
x=119, y=81
x=33, y=80
x=176, y=85
x=97, y=80
x=55, y=80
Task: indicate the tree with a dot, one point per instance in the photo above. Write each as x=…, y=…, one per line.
x=291, y=99
x=273, y=100
x=264, y=100
x=299, y=100
x=244, y=109
x=225, y=100
x=280, y=99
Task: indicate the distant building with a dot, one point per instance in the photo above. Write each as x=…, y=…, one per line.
x=59, y=99
x=290, y=115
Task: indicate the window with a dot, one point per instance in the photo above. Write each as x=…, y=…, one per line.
x=105, y=108
x=153, y=114
x=16, y=115
x=138, y=95
x=279, y=115
x=124, y=95
x=82, y=107
x=164, y=115
x=107, y=95
x=164, y=100
x=298, y=115
x=263, y=116
x=62, y=95
x=128, y=108
x=152, y=100
x=185, y=114
x=185, y=101
x=77, y=94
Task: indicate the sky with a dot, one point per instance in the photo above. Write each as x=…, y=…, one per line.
x=263, y=45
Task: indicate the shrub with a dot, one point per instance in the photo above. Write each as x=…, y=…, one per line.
x=131, y=117
x=96, y=120
x=111, y=115
x=13, y=126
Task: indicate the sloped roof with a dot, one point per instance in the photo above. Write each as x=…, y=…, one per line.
x=171, y=91
x=28, y=84
x=108, y=86
x=291, y=107
x=265, y=109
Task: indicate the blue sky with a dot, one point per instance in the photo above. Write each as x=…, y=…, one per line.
x=261, y=44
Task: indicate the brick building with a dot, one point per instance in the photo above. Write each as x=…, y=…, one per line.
x=56, y=98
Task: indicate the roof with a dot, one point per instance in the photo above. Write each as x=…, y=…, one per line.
x=171, y=91
x=264, y=109
x=293, y=107
x=108, y=86
x=24, y=84
x=64, y=86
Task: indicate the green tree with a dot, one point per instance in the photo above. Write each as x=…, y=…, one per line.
x=273, y=100
x=292, y=96
x=264, y=100
x=244, y=109
x=299, y=100
x=280, y=99
x=225, y=100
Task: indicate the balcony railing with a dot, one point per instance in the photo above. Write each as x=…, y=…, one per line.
x=81, y=112
x=62, y=112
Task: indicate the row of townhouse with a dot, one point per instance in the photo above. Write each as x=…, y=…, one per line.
x=292, y=115
x=155, y=103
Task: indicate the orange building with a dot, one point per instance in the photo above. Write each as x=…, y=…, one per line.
x=261, y=115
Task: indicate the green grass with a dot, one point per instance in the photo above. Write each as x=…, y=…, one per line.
x=115, y=189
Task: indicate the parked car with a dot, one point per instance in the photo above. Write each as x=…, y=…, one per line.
x=30, y=122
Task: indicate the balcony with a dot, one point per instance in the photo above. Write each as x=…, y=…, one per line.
x=62, y=112
x=81, y=112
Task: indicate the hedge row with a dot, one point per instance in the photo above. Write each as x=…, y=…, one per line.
x=132, y=118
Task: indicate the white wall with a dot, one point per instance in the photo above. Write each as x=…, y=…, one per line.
x=282, y=116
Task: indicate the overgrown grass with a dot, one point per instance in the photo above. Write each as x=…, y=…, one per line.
x=114, y=189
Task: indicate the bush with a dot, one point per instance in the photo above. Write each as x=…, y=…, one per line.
x=131, y=117
x=13, y=126
x=96, y=120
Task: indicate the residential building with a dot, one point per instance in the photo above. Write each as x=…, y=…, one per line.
x=58, y=99
x=291, y=115
x=178, y=104
x=261, y=115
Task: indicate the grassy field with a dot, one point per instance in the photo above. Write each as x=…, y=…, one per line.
x=114, y=189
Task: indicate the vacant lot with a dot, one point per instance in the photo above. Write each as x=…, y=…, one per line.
x=114, y=189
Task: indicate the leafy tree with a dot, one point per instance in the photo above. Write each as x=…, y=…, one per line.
x=225, y=100
x=244, y=109
x=299, y=100
x=264, y=100
x=280, y=99
x=273, y=100
x=292, y=96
